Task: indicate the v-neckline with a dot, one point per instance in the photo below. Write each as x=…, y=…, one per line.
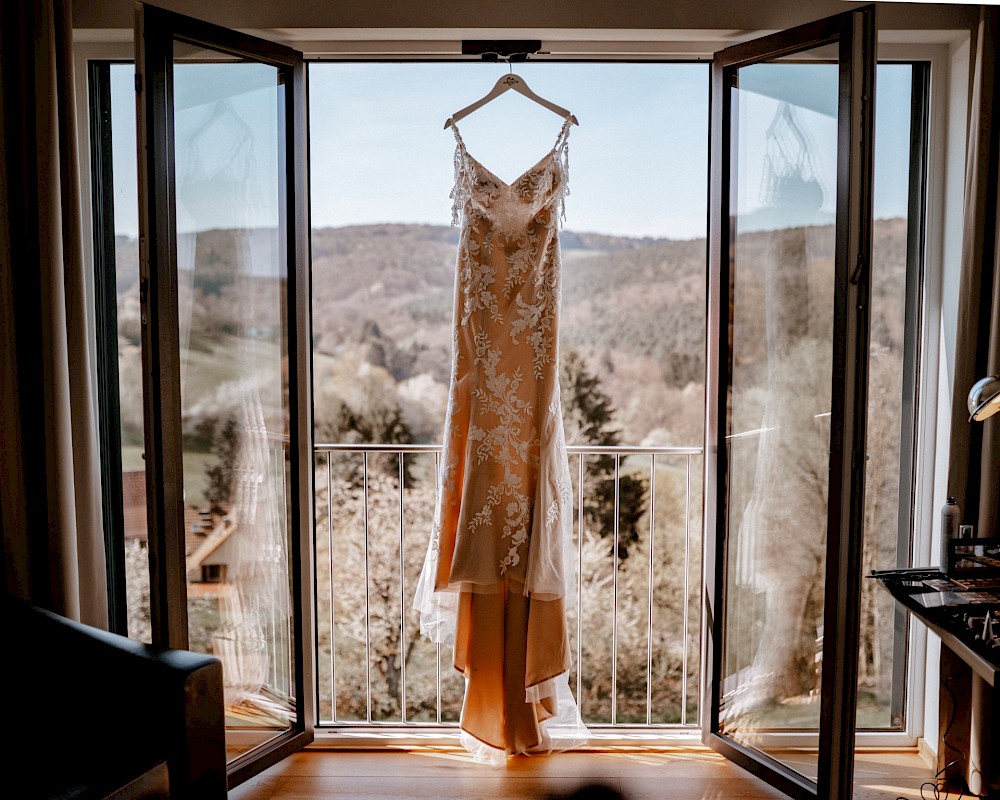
x=500, y=180
x=559, y=137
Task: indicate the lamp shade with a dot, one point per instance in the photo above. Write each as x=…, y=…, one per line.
x=984, y=398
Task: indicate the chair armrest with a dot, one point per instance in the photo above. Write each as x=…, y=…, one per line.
x=127, y=706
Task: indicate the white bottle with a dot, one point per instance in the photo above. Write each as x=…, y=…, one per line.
x=949, y=529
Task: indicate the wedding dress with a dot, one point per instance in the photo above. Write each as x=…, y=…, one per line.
x=495, y=581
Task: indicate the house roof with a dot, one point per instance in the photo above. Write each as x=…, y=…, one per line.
x=200, y=527
x=209, y=543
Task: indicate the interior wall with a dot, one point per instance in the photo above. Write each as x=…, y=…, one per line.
x=487, y=14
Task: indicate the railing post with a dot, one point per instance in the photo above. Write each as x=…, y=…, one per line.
x=649, y=608
x=437, y=647
x=614, y=606
x=579, y=583
x=687, y=580
x=368, y=644
x=402, y=596
x=333, y=596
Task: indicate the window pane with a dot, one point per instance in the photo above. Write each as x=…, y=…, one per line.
x=784, y=200
x=129, y=355
x=232, y=294
x=881, y=666
x=784, y=254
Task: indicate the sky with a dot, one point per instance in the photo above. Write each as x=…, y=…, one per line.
x=379, y=152
x=638, y=158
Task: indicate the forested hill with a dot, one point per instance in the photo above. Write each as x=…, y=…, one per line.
x=615, y=290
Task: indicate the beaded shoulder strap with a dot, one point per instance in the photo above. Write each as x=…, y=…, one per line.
x=462, y=190
x=561, y=151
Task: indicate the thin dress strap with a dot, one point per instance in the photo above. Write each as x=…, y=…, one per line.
x=562, y=140
x=561, y=152
x=462, y=190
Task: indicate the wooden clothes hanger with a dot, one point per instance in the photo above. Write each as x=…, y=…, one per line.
x=505, y=84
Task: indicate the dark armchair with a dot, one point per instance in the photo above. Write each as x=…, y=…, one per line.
x=96, y=715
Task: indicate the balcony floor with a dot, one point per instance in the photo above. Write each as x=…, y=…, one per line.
x=637, y=774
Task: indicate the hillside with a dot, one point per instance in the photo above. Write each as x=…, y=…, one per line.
x=403, y=276
x=633, y=308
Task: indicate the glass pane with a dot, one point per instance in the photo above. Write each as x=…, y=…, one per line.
x=783, y=200
x=123, y=154
x=232, y=287
x=881, y=664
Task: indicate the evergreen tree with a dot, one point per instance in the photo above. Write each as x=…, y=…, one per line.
x=380, y=421
x=588, y=415
x=225, y=441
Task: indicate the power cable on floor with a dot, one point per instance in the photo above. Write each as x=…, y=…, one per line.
x=934, y=787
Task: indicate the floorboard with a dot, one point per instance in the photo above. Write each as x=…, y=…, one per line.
x=628, y=774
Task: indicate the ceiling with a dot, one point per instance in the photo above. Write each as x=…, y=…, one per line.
x=300, y=19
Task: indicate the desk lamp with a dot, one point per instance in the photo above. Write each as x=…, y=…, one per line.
x=984, y=398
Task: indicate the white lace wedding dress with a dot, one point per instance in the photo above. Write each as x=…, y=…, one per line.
x=495, y=581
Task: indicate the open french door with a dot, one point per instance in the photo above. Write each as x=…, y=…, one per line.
x=226, y=368
x=791, y=211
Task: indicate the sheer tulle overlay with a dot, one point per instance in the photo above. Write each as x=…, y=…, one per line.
x=495, y=582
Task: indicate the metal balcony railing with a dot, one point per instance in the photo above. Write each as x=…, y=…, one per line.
x=634, y=620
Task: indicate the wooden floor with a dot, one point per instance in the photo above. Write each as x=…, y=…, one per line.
x=630, y=774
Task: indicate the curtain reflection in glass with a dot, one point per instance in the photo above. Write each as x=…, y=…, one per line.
x=780, y=403
x=234, y=381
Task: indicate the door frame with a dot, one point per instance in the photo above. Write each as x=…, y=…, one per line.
x=156, y=30
x=855, y=33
